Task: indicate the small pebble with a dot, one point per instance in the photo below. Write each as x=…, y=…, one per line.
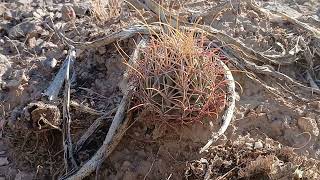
x=258, y=145
x=50, y=63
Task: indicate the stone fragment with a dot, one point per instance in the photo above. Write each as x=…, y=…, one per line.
x=8, y=15
x=258, y=145
x=81, y=9
x=4, y=66
x=30, y=28
x=68, y=13
x=308, y=125
x=4, y=161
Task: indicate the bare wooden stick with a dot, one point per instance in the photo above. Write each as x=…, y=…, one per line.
x=67, y=142
x=250, y=65
x=118, y=36
x=269, y=71
x=100, y=155
x=91, y=165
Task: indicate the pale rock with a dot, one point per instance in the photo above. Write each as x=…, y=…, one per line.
x=277, y=127
x=298, y=174
x=18, y=77
x=309, y=125
x=38, y=13
x=258, y=145
x=23, y=2
x=81, y=9
x=68, y=13
x=4, y=66
x=32, y=42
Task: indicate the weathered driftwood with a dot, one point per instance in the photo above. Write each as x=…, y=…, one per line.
x=114, y=131
x=118, y=36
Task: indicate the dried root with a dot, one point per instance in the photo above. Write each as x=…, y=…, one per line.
x=39, y=116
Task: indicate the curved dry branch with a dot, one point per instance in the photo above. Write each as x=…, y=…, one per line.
x=228, y=113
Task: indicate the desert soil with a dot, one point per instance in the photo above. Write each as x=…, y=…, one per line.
x=31, y=55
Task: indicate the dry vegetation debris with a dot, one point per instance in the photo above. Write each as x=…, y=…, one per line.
x=247, y=159
x=128, y=64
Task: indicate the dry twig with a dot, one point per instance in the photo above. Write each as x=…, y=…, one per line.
x=67, y=142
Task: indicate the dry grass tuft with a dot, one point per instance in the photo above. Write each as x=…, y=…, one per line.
x=177, y=80
x=106, y=9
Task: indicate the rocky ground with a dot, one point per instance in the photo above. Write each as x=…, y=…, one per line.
x=264, y=124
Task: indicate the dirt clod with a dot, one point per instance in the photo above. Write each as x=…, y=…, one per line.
x=38, y=116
